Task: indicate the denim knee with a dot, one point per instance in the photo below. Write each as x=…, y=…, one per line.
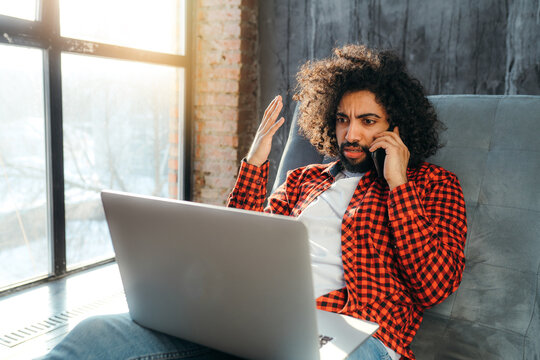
x=103, y=324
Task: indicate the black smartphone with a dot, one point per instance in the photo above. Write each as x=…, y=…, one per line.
x=378, y=157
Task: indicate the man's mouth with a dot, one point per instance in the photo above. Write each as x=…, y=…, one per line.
x=353, y=152
x=355, y=157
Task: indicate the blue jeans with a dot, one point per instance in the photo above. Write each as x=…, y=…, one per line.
x=118, y=337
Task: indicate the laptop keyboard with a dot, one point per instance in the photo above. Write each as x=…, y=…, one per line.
x=323, y=340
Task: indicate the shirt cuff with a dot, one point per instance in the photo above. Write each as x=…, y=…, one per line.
x=251, y=178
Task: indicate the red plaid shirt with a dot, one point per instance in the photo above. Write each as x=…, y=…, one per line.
x=403, y=250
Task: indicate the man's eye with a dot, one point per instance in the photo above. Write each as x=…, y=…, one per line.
x=341, y=120
x=369, y=121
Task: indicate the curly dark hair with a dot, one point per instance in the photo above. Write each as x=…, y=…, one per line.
x=321, y=85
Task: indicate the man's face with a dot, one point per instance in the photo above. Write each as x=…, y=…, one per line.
x=358, y=119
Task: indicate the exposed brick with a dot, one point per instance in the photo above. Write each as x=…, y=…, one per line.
x=222, y=45
x=173, y=164
x=216, y=127
x=173, y=178
x=225, y=100
x=199, y=180
x=217, y=166
x=220, y=15
x=215, y=152
x=249, y=17
x=232, y=73
x=218, y=139
x=219, y=3
x=222, y=57
x=218, y=31
x=250, y=4
x=232, y=30
x=173, y=152
x=225, y=86
x=213, y=196
x=173, y=191
x=225, y=118
x=218, y=181
x=173, y=137
x=247, y=32
x=231, y=44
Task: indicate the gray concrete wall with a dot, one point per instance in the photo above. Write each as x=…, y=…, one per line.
x=451, y=46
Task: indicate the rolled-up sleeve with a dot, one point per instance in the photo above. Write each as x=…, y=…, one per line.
x=249, y=190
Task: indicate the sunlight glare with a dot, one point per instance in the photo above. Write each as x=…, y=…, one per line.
x=22, y=9
x=143, y=24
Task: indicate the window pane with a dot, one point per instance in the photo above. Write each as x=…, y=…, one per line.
x=24, y=250
x=121, y=123
x=143, y=24
x=23, y=9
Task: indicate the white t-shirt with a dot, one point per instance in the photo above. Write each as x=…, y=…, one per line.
x=323, y=219
x=324, y=233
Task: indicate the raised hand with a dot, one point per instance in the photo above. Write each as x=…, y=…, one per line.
x=397, y=157
x=262, y=143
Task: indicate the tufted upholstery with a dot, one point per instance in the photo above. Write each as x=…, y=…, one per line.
x=493, y=146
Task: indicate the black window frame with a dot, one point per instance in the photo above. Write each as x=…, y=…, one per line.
x=44, y=33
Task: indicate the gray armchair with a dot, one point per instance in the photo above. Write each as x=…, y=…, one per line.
x=493, y=146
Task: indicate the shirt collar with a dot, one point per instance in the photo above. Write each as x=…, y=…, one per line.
x=335, y=167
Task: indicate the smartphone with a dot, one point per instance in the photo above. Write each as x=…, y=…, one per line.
x=378, y=157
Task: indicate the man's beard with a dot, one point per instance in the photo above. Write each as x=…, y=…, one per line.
x=359, y=167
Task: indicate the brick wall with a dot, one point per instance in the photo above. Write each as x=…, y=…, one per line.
x=173, y=148
x=225, y=101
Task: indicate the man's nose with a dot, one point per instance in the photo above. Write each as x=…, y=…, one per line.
x=354, y=132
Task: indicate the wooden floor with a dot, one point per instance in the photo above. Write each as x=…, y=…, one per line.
x=34, y=320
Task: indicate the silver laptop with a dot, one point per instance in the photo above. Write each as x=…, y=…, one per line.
x=233, y=280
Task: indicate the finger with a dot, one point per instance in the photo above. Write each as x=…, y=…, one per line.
x=271, y=130
x=277, y=109
x=390, y=135
x=397, y=136
x=271, y=105
x=270, y=119
x=384, y=139
x=378, y=145
x=276, y=126
x=269, y=110
x=386, y=133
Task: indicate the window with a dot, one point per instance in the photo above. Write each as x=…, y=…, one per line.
x=22, y=9
x=23, y=182
x=92, y=96
x=126, y=23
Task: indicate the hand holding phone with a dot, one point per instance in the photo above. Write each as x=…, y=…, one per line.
x=388, y=145
x=378, y=157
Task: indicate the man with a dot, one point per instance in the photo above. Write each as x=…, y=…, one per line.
x=398, y=245
x=384, y=248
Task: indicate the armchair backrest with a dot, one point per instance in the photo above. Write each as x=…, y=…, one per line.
x=493, y=146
